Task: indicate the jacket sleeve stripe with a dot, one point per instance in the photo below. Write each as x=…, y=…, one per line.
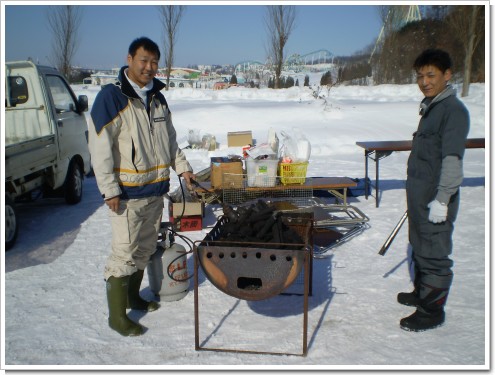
x=132, y=184
x=133, y=171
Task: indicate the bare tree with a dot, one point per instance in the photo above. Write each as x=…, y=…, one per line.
x=64, y=22
x=468, y=21
x=279, y=22
x=170, y=16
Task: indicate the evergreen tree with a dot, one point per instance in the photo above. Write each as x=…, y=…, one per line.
x=326, y=79
x=329, y=79
x=297, y=82
x=233, y=80
x=306, y=80
x=289, y=82
x=323, y=79
x=340, y=76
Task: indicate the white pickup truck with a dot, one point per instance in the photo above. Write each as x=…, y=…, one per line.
x=46, y=145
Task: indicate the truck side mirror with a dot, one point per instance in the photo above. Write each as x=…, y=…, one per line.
x=83, y=103
x=17, y=91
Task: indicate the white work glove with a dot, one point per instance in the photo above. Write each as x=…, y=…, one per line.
x=438, y=212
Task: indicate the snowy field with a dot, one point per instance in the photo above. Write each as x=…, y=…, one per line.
x=54, y=297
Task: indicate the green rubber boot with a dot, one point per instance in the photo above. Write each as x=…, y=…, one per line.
x=134, y=300
x=117, y=288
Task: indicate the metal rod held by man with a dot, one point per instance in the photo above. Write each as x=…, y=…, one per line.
x=392, y=235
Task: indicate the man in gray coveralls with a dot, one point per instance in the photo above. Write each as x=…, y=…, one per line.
x=434, y=174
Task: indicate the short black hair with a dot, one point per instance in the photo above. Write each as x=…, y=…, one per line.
x=435, y=57
x=146, y=43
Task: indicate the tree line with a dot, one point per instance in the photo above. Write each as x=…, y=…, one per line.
x=458, y=29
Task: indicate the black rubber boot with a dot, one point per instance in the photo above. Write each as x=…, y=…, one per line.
x=135, y=301
x=411, y=298
x=422, y=320
x=117, y=288
x=408, y=299
x=430, y=311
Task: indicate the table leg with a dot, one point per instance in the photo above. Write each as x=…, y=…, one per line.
x=366, y=157
x=377, y=183
x=337, y=194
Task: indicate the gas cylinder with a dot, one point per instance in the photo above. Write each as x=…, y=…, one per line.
x=167, y=272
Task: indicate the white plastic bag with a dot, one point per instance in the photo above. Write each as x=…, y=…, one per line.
x=288, y=150
x=273, y=140
x=303, y=147
x=295, y=147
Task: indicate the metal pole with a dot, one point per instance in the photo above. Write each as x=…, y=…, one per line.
x=377, y=180
x=392, y=235
x=366, y=157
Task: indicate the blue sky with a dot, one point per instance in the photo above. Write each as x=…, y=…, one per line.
x=208, y=34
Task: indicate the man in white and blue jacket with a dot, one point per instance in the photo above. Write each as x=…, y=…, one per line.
x=434, y=175
x=133, y=145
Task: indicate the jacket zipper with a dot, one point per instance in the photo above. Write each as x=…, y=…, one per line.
x=150, y=123
x=150, y=117
x=134, y=156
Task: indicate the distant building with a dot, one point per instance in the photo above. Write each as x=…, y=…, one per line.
x=220, y=85
x=179, y=77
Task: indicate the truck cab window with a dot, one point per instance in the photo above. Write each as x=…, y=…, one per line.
x=62, y=98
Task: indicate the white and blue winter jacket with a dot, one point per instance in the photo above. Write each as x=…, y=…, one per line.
x=132, y=148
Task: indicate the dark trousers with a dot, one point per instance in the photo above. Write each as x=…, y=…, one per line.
x=430, y=253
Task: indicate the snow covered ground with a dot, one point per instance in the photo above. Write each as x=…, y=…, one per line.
x=55, y=309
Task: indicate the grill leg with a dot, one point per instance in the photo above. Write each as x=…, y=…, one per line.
x=306, y=292
x=196, y=298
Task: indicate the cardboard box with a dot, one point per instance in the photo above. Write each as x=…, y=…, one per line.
x=226, y=173
x=191, y=219
x=191, y=209
x=239, y=139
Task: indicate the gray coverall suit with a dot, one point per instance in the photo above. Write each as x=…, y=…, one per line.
x=441, y=133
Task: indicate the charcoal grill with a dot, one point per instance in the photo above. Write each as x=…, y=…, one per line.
x=254, y=271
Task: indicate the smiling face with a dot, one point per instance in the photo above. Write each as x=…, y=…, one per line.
x=431, y=80
x=142, y=66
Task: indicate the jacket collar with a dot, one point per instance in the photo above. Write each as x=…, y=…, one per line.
x=428, y=103
x=129, y=91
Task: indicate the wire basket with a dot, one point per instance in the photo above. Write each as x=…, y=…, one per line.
x=293, y=173
x=274, y=189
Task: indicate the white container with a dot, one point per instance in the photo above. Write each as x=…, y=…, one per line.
x=261, y=173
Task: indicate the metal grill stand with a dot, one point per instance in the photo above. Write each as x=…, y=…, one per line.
x=304, y=351
x=253, y=271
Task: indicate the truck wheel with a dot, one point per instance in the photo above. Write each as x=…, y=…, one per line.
x=73, y=187
x=11, y=225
